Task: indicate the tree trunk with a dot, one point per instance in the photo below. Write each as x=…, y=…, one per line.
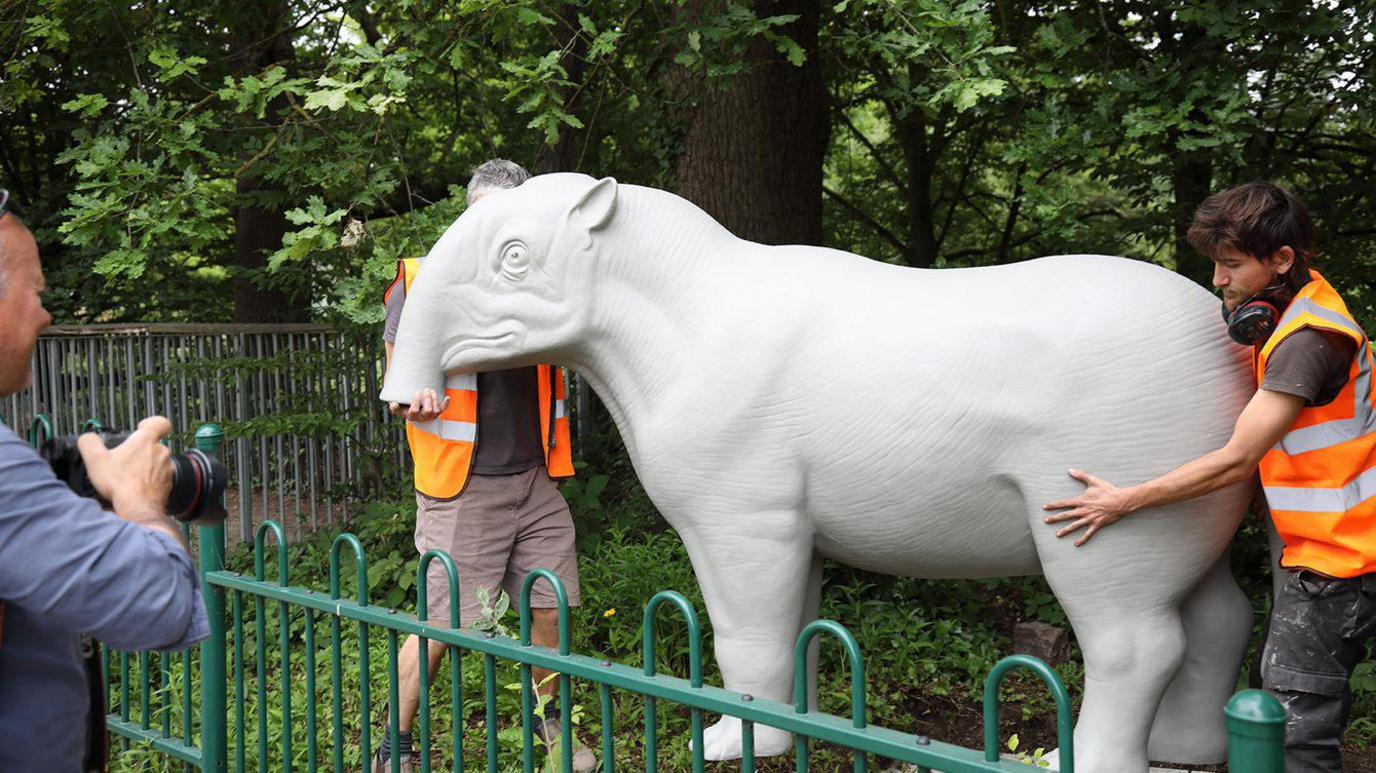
x=563, y=155
x=1192, y=178
x=260, y=37
x=754, y=146
x=922, y=248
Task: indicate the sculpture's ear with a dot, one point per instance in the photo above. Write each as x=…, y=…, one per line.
x=594, y=209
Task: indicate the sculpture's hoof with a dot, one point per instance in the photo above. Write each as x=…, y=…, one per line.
x=1053, y=759
x=722, y=741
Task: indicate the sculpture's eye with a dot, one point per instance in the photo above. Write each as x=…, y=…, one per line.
x=515, y=263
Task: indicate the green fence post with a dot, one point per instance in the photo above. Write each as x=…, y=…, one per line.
x=40, y=430
x=211, y=539
x=1256, y=732
x=1065, y=724
x=690, y=616
x=800, y=685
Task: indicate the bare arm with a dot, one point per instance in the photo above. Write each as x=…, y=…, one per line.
x=1264, y=421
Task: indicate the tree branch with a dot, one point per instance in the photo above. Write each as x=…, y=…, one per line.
x=865, y=218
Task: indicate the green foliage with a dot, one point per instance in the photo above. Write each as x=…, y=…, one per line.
x=963, y=133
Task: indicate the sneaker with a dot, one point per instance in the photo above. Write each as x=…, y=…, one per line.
x=410, y=762
x=551, y=733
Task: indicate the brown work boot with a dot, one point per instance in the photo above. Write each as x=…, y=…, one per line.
x=550, y=732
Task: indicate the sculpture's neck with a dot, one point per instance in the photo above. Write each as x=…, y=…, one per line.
x=651, y=301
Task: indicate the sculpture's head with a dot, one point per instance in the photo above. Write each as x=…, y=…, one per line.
x=499, y=289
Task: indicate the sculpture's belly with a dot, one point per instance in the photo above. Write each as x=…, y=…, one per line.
x=945, y=534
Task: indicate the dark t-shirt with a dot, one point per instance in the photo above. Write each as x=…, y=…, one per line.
x=1310, y=363
x=508, y=410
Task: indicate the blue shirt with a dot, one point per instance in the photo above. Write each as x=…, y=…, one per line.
x=68, y=568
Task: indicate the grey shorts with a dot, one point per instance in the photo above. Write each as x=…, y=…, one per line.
x=497, y=530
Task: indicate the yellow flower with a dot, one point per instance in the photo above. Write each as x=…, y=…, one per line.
x=609, y=612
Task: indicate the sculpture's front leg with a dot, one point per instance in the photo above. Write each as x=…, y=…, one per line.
x=754, y=570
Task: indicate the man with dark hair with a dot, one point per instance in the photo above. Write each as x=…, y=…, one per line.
x=1311, y=427
x=487, y=499
x=68, y=568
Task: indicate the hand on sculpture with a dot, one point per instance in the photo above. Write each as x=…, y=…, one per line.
x=1102, y=504
x=425, y=406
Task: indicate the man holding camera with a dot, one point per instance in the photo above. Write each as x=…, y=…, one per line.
x=69, y=569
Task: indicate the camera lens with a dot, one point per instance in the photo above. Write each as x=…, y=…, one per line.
x=198, y=487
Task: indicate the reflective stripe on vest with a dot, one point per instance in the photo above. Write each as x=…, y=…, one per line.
x=442, y=449
x=1320, y=479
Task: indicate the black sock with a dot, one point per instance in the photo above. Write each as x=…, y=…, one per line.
x=403, y=743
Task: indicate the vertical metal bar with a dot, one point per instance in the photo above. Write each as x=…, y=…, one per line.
x=92, y=374
x=423, y=674
x=284, y=628
x=110, y=366
x=368, y=401
x=240, y=726
x=131, y=378
x=295, y=406
x=144, y=677
x=69, y=379
x=54, y=403
x=124, y=686
x=313, y=441
x=608, y=729
x=651, y=735
x=261, y=684
x=311, y=744
x=242, y=465
x=169, y=409
x=337, y=695
x=528, y=719
x=278, y=410
x=364, y=682
x=202, y=394
x=456, y=705
x=393, y=712
x=211, y=545
x=149, y=400
x=261, y=378
x=747, y=746
x=165, y=675
x=566, y=721
x=490, y=694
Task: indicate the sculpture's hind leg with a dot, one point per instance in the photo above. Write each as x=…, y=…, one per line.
x=1122, y=594
x=1218, y=623
x=755, y=585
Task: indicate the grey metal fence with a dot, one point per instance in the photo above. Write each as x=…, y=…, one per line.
x=307, y=437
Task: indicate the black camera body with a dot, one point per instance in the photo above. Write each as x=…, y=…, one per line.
x=198, y=478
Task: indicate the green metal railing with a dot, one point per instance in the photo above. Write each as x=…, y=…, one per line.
x=1255, y=721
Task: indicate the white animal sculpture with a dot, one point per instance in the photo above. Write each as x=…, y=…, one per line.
x=782, y=404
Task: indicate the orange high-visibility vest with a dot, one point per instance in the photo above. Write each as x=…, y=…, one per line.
x=442, y=449
x=1320, y=479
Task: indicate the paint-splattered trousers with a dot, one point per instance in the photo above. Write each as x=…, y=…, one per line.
x=1319, y=631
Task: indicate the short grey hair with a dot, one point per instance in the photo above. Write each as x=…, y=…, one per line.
x=495, y=174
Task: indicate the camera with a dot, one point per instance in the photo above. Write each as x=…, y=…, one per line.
x=198, y=479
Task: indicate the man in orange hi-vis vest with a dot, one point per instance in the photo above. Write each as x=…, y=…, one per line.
x=1311, y=428
x=486, y=455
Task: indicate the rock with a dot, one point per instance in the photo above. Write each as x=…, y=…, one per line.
x=1041, y=640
